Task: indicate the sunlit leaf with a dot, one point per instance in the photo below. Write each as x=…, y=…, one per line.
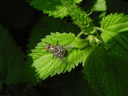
x=52, y=7
x=100, y=5
x=44, y=63
x=115, y=31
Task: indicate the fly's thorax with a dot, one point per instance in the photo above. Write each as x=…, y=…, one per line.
x=53, y=49
x=57, y=50
x=61, y=52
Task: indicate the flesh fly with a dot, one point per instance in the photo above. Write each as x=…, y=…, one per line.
x=56, y=50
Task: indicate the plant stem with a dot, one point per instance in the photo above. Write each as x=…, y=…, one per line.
x=98, y=35
x=79, y=34
x=98, y=28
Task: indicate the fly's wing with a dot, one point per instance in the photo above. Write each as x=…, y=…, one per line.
x=68, y=47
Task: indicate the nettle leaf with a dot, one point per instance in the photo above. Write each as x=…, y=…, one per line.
x=115, y=31
x=12, y=68
x=80, y=43
x=52, y=7
x=43, y=61
x=106, y=73
x=93, y=42
x=116, y=76
x=106, y=68
x=45, y=25
x=94, y=68
x=100, y=5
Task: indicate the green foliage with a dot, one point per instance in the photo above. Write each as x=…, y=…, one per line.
x=102, y=51
x=105, y=76
x=106, y=73
x=80, y=43
x=43, y=61
x=95, y=67
x=100, y=5
x=106, y=66
x=115, y=31
x=80, y=18
x=52, y=7
x=116, y=76
x=11, y=59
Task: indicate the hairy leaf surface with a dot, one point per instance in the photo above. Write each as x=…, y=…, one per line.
x=116, y=76
x=94, y=68
x=115, y=32
x=106, y=73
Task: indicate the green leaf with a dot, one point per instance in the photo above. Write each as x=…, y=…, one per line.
x=52, y=7
x=106, y=73
x=93, y=42
x=11, y=59
x=43, y=62
x=45, y=25
x=115, y=34
x=80, y=43
x=115, y=31
x=94, y=68
x=116, y=76
x=100, y=5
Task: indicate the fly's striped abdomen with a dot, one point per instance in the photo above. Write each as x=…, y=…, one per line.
x=60, y=52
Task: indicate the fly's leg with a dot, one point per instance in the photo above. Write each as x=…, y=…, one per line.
x=53, y=57
x=63, y=60
x=57, y=42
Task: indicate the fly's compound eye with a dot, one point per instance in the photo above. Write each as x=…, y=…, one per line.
x=48, y=44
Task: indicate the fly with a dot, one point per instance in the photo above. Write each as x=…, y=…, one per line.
x=56, y=50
